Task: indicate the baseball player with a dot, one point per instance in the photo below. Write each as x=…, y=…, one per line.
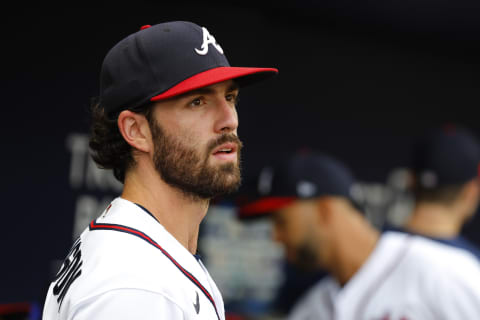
x=372, y=275
x=446, y=186
x=166, y=123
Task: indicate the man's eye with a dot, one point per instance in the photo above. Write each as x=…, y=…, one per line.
x=232, y=97
x=196, y=102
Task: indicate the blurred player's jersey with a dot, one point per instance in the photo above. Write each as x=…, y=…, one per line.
x=406, y=278
x=458, y=241
x=125, y=265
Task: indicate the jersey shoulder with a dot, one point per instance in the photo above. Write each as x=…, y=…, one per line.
x=445, y=257
x=456, y=242
x=430, y=256
x=127, y=249
x=442, y=269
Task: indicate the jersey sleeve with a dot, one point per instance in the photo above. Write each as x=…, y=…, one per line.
x=123, y=304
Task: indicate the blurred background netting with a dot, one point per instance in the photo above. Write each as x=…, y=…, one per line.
x=360, y=80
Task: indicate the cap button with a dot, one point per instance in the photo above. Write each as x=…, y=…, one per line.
x=145, y=26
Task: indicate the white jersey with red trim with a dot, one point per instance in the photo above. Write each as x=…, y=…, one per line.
x=125, y=265
x=405, y=278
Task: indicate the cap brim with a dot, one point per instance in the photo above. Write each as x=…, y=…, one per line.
x=264, y=206
x=246, y=76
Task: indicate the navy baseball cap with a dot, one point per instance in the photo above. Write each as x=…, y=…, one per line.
x=163, y=61
x=447, y=156
x=304, y=175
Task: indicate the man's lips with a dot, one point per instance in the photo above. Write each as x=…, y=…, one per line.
x=226, y=150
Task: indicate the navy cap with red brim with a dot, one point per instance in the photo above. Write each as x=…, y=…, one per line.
x=216, y=75
x=301, y=176
x=166, y=60
x=264, y=206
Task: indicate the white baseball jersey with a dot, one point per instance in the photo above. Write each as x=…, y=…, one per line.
x=406, y=278
x=125, y=265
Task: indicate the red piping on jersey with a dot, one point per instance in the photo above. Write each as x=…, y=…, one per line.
x=114, y=227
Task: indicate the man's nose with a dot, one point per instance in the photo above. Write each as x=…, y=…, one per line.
x=228, y=118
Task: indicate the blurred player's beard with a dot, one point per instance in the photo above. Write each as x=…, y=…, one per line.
x=307, y=258
x=182, y=167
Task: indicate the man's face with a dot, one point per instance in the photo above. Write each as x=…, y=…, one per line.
x=196, y=148
x=294, y=228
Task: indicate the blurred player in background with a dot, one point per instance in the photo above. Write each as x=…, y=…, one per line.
x=373, y=275
x=166, y=123
x=446, y=186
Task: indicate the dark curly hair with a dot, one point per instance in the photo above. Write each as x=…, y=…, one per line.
x=107, y=146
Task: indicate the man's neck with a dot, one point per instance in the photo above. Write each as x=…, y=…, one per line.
x=178, y=213
x=354, y=246
x=434, y=220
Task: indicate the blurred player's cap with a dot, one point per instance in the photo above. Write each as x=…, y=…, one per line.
x=447, y=156
x=163, y=61
x=304, y=175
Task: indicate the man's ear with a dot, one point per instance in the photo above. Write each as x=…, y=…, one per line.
x=470, y=195
x=324, y=210
x=135, y=130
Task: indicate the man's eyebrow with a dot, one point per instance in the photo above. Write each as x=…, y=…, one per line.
x=233, y=87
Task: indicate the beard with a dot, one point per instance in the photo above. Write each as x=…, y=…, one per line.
x=183, y=167
x=306, y=257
